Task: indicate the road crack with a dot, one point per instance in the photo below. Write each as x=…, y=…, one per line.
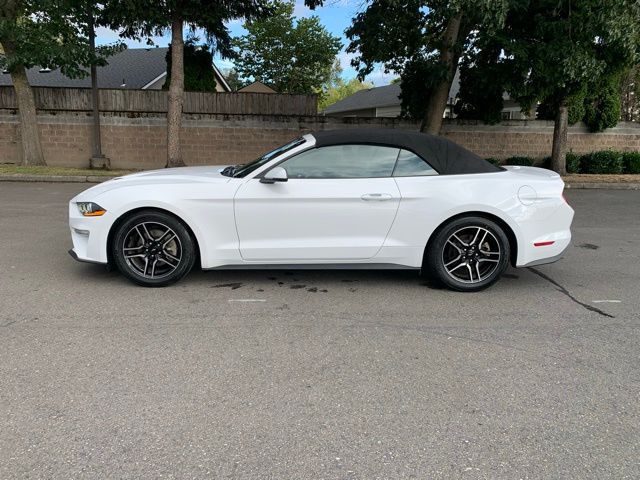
x=566, y=292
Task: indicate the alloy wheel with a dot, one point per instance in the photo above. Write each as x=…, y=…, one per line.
x=471, y=254
x=152, y=250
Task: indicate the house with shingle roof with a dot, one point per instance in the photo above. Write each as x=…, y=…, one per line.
x=133, y=69
x=385, y=102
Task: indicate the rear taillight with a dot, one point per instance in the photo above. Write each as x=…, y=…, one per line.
x=565, y=199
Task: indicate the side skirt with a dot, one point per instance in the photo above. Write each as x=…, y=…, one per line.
x=315, y=266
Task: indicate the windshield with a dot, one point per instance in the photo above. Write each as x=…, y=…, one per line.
x=247, y=168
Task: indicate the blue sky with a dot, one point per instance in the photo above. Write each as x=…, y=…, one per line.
x=336, y=16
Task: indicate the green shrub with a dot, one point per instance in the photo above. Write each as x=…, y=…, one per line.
x=522, y=161
x=631, y=162
x=493, y=160
x=573, y=162
x=545, y=163
x=606, y=161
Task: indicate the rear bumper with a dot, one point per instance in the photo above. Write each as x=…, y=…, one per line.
x=544, y=261
x=545, y=240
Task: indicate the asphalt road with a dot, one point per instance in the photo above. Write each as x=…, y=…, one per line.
x=332, y=375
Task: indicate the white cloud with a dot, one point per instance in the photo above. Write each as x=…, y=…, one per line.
x=380, y=78
x=301, y=10
x=107, y=35
x=223, y=64
x=345, y=59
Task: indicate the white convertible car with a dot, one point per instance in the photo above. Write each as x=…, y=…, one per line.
x=333, y=199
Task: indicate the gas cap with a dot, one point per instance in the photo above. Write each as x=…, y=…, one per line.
x=527, y=195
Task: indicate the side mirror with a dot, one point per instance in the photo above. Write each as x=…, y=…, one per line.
x=276, y=174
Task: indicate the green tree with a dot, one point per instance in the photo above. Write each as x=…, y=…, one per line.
x=568, y=57
x=630, y=94
x=145, y=18
x=421, y=40
x=341, y=89
x=52, y=34
x=338, y=88
x=555, y=50
x=199, y=75
x=597, y=103
x=291, y=55
x=233, y=79
x=482, y=81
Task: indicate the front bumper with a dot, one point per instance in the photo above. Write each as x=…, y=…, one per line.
x=89, y=236
x=74, y=255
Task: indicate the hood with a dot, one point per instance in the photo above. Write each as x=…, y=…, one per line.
x=180, y=174
x=166, y=176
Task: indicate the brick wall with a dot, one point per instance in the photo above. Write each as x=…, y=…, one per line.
x=139, y=142
x=533, y=138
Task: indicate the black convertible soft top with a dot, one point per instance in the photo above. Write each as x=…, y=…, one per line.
x=446, y=157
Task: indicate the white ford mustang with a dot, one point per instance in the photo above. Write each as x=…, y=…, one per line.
x=332, y=199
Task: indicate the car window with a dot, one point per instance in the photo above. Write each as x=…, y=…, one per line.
x=411, y=165
x=343, y=161
x=246, y=169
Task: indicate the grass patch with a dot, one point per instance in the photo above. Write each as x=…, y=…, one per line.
x=28, y=170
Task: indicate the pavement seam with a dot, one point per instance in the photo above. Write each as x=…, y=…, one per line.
x=566, y=292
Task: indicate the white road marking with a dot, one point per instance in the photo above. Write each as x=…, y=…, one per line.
x=247, y=300
x=607, y=301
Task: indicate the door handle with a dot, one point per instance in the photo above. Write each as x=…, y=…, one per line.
x=376, y=197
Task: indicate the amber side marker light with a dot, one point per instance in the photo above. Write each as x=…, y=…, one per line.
x=90, y=209
x=97, y=213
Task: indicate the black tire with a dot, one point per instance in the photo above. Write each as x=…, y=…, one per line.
x=155, y=242
x=470, y=262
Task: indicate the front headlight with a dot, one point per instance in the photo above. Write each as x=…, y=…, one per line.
x=90, y=209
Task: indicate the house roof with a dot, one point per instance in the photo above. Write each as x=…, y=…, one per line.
x=377, y=97
x=133, y=68
x=257, y=87
x=371, y=98
x=220, y=79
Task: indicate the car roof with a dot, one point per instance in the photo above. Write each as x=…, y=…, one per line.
x=445, y=156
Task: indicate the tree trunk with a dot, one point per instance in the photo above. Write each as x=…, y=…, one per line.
x=29, y=135
x=176, y=95
x=97, y=160
x=449, y=56
x=559, y=150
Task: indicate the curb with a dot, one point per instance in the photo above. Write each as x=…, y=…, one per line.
x=17, y=177
x=602, y=185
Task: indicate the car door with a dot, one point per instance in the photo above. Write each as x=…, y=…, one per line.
x=338, y=203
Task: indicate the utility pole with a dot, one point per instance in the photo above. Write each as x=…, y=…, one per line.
x=98, y=160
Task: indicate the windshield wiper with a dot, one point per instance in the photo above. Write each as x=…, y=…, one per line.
x=229, y=171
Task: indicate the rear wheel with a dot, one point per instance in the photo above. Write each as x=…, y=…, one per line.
x=468, y=254
x=153, y=249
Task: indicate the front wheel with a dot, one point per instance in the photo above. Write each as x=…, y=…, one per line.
x=468, y=254
x=153, y=249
